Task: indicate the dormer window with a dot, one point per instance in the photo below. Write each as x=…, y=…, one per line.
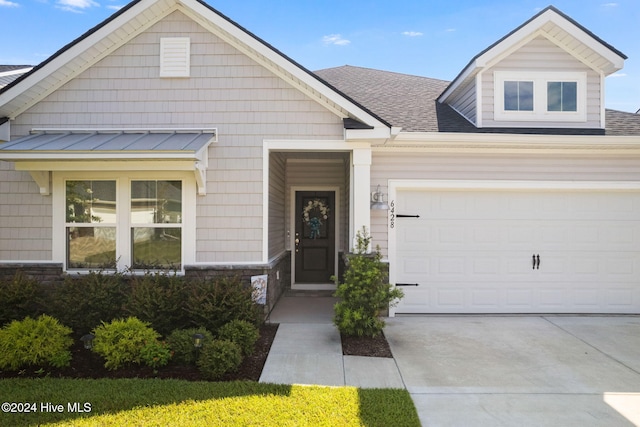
x=540, y=96
x=518, y=96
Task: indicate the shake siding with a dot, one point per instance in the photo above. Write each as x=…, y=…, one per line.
x=25, y=217
x=388, y=164
x=226, y=90
x=542, y=55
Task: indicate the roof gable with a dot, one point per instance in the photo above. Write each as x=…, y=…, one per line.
x=139, y=15
x=559, y=29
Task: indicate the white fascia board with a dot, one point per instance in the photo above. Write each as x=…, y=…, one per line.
x=276, y=63
x=489, y=143
x=367, y=134
x=74, y=51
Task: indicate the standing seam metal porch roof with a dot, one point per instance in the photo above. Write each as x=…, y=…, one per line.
x=119, y=144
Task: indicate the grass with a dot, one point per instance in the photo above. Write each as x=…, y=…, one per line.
x=127, y=402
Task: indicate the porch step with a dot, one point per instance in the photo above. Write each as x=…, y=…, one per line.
x=308, y=293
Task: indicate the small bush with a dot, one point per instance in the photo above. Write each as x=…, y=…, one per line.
x=158, y=298
x=41, y=341
x=217, y=358
x=155, y=354
x=20, y=296
x=213, y=303
x=83, y=301
x=364, y=292
x=180, y=342
x=121, y=341
x=242, y=333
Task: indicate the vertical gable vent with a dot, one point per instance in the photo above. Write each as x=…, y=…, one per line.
x=175, y=56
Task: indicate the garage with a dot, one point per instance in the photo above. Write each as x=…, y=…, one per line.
x=516, y=248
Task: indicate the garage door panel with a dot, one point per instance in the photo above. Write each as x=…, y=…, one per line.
x=472, y=252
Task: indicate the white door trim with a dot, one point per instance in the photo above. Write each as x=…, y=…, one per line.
x=480, y=185
x=292, y=221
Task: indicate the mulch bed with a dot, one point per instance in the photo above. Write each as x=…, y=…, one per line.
x=365, y=346
x=85, y=364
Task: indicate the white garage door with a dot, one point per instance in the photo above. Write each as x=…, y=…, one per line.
x=518, y=251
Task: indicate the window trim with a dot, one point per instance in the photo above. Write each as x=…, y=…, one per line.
x=123, y=218
x=540, y=112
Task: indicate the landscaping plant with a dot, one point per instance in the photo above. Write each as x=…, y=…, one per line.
x=157, y=298
x=180, y=342
x=218, y=357
x=83, y=301
x=40, y=342
x=121, y=341
x=20, y=296
x=365, y=292
x=242, y=333
x=214, y=302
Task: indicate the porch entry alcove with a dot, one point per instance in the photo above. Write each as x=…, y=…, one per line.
x=309, y=214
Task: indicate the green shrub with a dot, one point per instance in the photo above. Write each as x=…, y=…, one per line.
x=155, y=354
x=83, y=301
x=217, y=358
x=121, y=341
x=20, y=296
x=364, y=292
x=213, y=303
x=158, y=298
x=180, y=342
x=242, y=333
x=41, y=341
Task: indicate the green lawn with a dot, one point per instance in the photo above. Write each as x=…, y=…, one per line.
x=135, y=402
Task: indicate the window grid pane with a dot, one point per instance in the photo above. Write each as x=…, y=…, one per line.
x=154, y=247
x=562, y=96
x=91, y=202
x=518, y=96
x=91, y=247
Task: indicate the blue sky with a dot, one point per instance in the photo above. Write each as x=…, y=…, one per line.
x=430, y=38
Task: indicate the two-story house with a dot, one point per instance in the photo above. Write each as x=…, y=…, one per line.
x=170, y=136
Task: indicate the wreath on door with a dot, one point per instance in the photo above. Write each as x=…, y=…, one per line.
x=313, y=215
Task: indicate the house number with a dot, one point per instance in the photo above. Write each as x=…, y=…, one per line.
x=392, y=214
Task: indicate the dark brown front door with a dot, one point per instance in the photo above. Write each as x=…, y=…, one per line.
x=315, y=240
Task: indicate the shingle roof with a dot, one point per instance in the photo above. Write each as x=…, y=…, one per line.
x=410, y=102
x=399, y=99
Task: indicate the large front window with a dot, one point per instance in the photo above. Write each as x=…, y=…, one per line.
x=124, y=223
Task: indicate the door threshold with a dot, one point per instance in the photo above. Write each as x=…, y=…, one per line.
x=313, y=286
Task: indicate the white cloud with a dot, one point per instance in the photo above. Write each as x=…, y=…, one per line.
x=75, y=5
x=616, y=75
x=610, y=4
x=7, y=3
x=335, y=39
x=412, y=33
x=114, y=7
x=450, y=30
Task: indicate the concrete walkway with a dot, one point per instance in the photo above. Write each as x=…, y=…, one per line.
x=307, y=350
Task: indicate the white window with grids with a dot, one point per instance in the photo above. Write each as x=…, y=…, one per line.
x=129, y=221
x=540, y=96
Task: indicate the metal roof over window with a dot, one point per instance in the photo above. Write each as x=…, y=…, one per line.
x=46, y=150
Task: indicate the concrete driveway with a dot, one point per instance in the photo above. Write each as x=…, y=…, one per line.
x=520, y=371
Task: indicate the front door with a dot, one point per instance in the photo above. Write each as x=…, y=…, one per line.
x=315, y=240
